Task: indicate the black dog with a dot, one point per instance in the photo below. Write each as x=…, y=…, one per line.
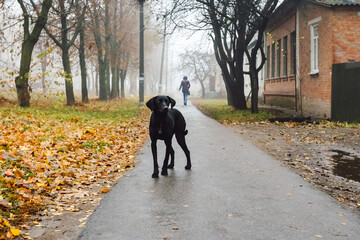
x=164, y=123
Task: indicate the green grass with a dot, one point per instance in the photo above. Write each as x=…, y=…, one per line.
x=220, y=111
x=106, y=112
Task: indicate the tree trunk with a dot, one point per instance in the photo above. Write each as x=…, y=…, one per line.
x=69, y=89
x=254, y=92
x=114, y=55
x=234, y=87
x=84, y=87
x=114, y=82
x=107, y=48
x=27, y=47
x=43, y=71
x=123, y=76
x=100, y=48
x=202, y=89
x=96, y=83
x=102, y=80
x=118, y=81
x=232, y=74
x=22, y=81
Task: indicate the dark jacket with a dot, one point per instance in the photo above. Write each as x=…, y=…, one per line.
x=184, y=88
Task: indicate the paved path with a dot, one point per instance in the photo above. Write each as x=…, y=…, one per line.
x=234, y=191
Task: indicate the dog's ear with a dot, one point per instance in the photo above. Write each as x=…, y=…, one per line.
x=151, y=103
x=172, y=101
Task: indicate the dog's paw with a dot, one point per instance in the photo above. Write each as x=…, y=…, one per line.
x=155, y=175
x=171, y=166
x=188, y=167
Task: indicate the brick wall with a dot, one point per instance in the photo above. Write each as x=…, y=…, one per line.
x=318, y=86
x=339, y=34
x=346, y=34
x=278, y=32
x=280, y=90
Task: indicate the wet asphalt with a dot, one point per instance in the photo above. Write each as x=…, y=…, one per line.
x=234, y=191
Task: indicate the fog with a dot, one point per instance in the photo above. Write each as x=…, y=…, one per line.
x=176, y=45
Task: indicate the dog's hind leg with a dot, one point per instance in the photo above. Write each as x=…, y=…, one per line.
x=181, y=140
x=154, y=153
x=172, y=162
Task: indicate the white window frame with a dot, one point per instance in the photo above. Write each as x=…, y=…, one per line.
x=314, y=45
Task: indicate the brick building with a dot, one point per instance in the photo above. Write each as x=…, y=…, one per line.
x=304, y=39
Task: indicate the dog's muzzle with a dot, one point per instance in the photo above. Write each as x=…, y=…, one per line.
x=163, y=109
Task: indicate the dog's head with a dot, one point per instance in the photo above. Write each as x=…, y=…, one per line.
x=160, y=103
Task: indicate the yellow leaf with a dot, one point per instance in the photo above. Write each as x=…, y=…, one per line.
x=15, y=232
x=105, y=190
x=318, y=236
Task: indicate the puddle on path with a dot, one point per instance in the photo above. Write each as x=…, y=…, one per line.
x=346, y=165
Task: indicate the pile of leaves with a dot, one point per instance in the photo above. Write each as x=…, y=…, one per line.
x=50, y=154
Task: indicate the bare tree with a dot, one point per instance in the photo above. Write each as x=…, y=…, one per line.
x=30, y=39
x=232, y=25
x=60, y=33
x=260, y=21
x=197, y=64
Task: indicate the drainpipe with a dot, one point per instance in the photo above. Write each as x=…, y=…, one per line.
x=298, y=96
x=263, y=71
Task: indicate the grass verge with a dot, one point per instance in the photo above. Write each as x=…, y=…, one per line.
x=220, y=111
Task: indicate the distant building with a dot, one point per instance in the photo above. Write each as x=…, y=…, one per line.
x=304, y=39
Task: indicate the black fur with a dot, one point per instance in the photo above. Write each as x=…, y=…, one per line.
x=164, y=123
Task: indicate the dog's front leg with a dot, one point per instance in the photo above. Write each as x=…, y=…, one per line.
x=166, y=160
x=154, y=153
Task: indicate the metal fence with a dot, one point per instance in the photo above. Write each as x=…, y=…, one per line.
x=345, y=92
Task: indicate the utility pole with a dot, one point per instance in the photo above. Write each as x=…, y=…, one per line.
x=141, y=67
x=162, y=57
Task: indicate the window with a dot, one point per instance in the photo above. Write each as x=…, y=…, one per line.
x=293, y=53
x=268, y=62
x=285, y=68
x=314, y=48
x=278, y=55
x=314, y=45
x=273, y=60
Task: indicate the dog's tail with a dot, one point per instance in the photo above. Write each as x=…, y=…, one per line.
x=185, y=132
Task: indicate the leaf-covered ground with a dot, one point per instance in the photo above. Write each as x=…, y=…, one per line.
x=56, y=159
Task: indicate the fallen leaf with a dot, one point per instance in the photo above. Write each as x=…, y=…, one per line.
x=15, y=232
x=105, y=190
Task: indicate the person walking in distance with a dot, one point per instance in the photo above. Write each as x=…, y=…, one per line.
x=185, y=85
